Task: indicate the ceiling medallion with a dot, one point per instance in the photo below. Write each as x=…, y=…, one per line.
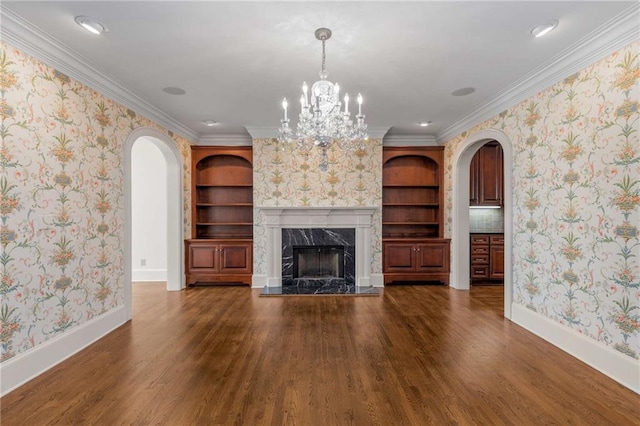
x=322, y=121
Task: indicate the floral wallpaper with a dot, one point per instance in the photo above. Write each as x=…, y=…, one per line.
x=290, y=178
x=576, y=192
x=61, y=201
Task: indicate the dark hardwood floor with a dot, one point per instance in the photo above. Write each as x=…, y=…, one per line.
x=418, y=355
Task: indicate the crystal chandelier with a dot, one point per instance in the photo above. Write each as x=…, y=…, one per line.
x=322, y=121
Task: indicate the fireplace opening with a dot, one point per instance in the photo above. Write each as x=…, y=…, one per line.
x=315, y=262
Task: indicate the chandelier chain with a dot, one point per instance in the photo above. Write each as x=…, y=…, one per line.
x=323, y=56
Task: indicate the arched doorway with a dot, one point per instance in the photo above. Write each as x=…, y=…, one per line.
x=175, y=212
x=460, y=265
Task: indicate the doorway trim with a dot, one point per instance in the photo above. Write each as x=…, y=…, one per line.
x=175, y=211
x=460, y=246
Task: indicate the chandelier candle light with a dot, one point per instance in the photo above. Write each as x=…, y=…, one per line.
x=322, y=122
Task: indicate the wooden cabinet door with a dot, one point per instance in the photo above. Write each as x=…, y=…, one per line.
x=235, y=258
x=203, y=258
x=496, y=262
x=474, y=178
x=399, y=257
x=490, y=175
x=432, y=257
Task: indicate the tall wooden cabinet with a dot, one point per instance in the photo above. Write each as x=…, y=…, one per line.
x=221, y=247
x=496, y=258
x=412, y=215
x=486, y=171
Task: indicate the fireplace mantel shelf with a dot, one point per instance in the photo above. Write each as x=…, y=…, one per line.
x=318, y=216
x=317, y=208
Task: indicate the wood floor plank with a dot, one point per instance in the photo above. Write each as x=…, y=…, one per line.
x=417, y=355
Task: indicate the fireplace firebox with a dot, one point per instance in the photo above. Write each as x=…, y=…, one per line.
x=317, y=262
x=316, y=257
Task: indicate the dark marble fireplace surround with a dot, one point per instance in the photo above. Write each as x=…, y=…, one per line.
x=306, y=237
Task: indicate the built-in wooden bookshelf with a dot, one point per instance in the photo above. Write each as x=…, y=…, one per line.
x=412, y=215
x=223, y=196
x=220, y=250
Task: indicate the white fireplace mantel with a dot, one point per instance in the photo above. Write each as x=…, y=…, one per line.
x=277, y=218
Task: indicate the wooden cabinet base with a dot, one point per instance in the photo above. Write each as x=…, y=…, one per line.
x=416, y=278
x=204, y=279
x=218, y=262
x=487, y=259
x=415, y=260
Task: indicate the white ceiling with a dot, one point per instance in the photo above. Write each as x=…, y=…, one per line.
x=237, y=60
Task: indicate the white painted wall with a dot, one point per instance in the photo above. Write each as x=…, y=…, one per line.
x=149, y=212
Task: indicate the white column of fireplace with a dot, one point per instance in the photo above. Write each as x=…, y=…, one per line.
x=276, y=218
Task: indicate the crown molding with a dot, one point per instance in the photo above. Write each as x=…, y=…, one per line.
x=409, y=140
x=272, y=132
x=258, y=132
x=225, y=139
x=36, y=43
x=615, y=34
x=378, y=132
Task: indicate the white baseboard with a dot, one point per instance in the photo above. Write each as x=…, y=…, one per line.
x=149, y=275
x=23, y=367
x=376, y=280
x=258, y=281
x=621, y=368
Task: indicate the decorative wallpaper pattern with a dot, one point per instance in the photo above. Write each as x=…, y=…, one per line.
x=290, y=178
x=576, y=192
x=61, y=201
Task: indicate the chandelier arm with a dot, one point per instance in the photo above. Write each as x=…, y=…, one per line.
x=333, y=108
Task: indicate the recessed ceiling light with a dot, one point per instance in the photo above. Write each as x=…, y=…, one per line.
x=210, y=123
x=92, y=25
x=173, y=90
x=543, y=29
x=424, y=123
x=463, y=92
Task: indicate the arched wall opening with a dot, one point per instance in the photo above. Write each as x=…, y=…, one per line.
x=460, y=246
x=148, y=212
x=174, y=210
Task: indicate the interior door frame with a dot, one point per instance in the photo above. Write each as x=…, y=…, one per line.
x=175, y=211
x=460, y=245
